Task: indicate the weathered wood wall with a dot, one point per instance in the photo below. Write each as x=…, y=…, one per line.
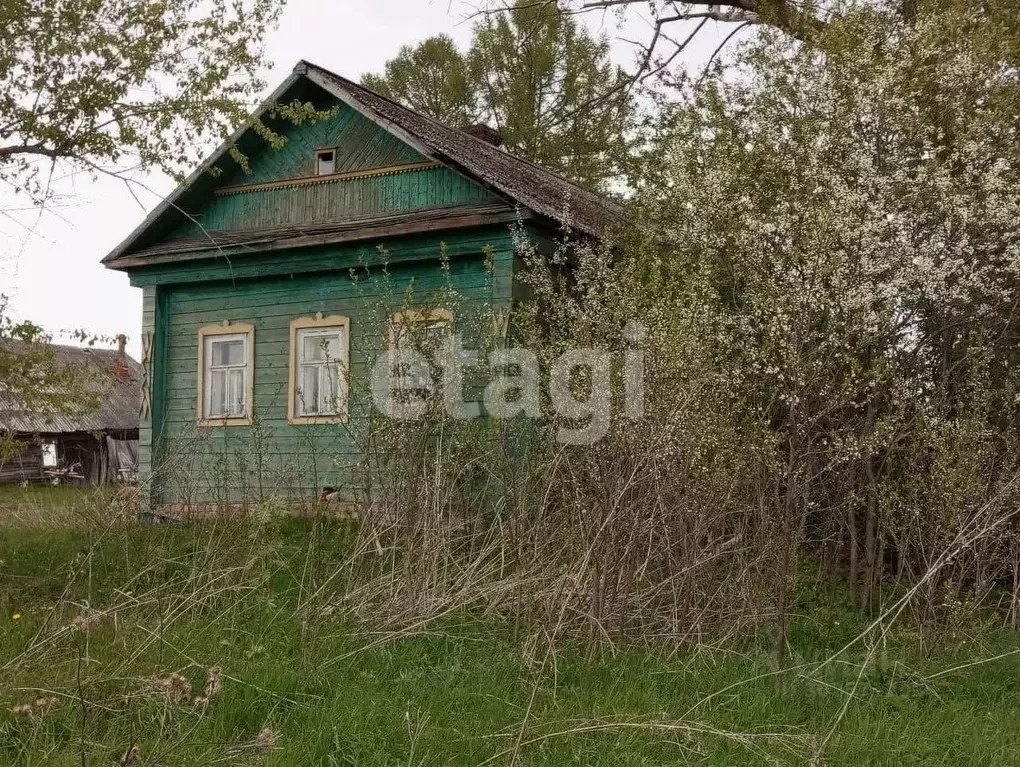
x=26, y=466
x=243, y=463
x=361, y=146
x=270, y=288
x=343, y=200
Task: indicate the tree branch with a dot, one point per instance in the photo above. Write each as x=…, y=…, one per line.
x=37, y=149
x=779, y=13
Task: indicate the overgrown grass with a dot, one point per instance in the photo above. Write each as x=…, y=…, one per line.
x=263, y=603
x=45, y=505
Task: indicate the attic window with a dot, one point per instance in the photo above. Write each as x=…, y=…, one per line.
x=325, y=162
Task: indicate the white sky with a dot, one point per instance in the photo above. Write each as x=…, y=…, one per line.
x=53, y=276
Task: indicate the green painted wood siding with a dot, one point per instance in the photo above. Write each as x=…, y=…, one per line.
x=235, y=463
x=236, y=264
x=347, y=200
x=361, y=145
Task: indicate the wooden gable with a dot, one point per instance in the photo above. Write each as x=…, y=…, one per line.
x=396, y=172
x=376, y=174
x=361, y=146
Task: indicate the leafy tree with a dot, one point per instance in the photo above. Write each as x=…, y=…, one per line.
x=431, y=78
x=32, y=380
x=101, y=85
x=533, y=73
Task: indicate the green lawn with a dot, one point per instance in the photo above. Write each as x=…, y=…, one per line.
x=260, y=603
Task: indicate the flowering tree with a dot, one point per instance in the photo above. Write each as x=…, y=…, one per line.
x=842, y=225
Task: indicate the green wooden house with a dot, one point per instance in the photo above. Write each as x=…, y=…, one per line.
x=255, y=282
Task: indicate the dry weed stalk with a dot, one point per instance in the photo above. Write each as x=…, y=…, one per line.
x=132, y=754
x=177, y=689
x=264, y=741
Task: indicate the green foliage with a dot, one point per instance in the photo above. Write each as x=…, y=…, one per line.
x=536, y=75
x=432, y=78
x=98, y=84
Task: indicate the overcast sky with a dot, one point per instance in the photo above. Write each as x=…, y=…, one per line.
x=53, y=276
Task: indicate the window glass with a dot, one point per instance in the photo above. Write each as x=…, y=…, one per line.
x=320, y=346
x=228, y=352
x=423, y=331
x=320, y=352
x=226, y=376
x=436, y=332
x=49, y=454
x=309, y=391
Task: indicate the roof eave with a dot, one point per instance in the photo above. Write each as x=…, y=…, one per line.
x=371, y=231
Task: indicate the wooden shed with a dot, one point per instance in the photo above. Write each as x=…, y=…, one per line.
x=96, y=446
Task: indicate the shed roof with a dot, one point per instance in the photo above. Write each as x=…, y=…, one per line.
x=117, y=381
x=517, y=181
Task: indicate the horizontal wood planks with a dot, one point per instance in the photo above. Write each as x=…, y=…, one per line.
x=233, y=265
x=343, y=200
x=201, y=464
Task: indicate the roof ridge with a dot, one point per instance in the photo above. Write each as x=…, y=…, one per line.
x=73, y=348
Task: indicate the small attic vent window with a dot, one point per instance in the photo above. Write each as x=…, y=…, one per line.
x=325, y=162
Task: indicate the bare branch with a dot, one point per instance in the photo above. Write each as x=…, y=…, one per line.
x=781, y=14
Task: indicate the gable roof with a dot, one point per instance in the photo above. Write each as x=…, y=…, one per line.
x=530, y=185
x=519, y=181
x=117, y=382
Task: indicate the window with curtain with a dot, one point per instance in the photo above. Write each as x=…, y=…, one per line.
x=225, y=376
x=319, y=383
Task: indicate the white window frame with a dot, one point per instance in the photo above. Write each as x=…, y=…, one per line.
x=207, y=336
x=318, y=167
x=318, y=325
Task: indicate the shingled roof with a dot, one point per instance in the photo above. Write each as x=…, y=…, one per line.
x=530, y=185
x=117, y=381
x=516, y=181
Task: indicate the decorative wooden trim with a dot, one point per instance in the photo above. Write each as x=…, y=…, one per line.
x=145, y=404
x=223, y=329
x=332, y=178
x=318, y=321
x=412, y=317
